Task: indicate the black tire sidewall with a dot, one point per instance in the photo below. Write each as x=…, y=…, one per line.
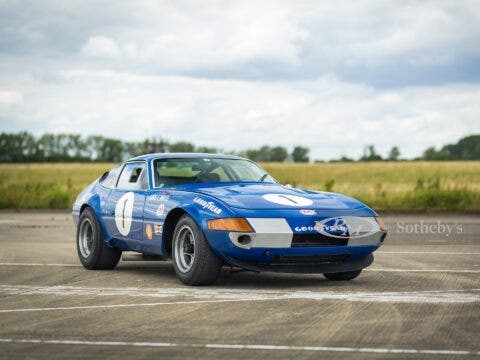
x=92, y=259
x=186, y=220
x=196, y=272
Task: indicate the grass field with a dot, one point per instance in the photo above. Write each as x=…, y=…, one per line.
x=451, y=186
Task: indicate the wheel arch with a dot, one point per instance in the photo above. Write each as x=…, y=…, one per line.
x=171, y=221
x=169, y=227
x=93, y=203
x=84, y=207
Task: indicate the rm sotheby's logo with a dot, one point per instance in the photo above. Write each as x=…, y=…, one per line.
x=347, y=226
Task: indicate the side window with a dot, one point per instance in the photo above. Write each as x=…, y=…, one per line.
x=111, y=179
x=133, y=177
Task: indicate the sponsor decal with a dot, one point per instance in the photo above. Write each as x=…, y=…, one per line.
x=207, y=205
x=160, y=209
x=149, y=232
x=333, y=227
x=308, y=212
x=288, y=200
x=305, y=228
x=347, y=226
x=158, y=229
x=123, y=213
x=158, y=197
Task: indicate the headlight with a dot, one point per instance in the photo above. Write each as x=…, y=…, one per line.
x=230, y=224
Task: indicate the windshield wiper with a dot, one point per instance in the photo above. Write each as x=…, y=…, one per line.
x=264, y=176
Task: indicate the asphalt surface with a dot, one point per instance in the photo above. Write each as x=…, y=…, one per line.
x=419, y=299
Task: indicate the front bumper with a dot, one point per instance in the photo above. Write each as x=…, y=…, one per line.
x=307, y=264
x=277, y=246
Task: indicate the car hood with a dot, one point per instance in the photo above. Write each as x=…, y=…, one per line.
x=275, y=196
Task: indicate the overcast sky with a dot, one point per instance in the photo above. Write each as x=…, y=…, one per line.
x=333, y=76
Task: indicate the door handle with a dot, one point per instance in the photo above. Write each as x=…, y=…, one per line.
x=112, y=212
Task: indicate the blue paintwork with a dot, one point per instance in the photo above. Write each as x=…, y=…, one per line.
x=235, y=199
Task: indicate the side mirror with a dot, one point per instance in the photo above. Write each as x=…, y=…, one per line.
x=288, y=186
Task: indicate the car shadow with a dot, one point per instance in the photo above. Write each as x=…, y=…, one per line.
x=243, y=279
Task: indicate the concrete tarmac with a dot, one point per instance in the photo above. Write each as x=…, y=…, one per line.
x=419, y=299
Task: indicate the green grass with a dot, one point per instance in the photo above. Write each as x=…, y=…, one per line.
x=450, y=186
x=45, y=186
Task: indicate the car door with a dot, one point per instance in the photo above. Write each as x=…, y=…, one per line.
x=125, y=205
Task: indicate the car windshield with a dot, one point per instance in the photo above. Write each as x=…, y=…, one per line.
x=206, y=170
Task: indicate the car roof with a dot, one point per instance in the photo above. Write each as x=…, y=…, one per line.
x=184, y=156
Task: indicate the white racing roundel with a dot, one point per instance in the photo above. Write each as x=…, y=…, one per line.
x=289, y=200
x=123, y=213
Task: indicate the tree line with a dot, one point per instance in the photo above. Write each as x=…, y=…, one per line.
x=467, y=148
x=25, y=147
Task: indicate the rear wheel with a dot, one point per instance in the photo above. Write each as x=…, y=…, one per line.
x=194, y=261
x=91, y=248
x=341, y=276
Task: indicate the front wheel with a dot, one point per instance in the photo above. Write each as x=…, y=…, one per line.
x=92, y=250
x=342, y=276
x=194, y=261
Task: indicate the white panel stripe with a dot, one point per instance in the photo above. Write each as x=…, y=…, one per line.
x=271, y=232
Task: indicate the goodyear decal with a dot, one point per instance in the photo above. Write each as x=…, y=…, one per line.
x=207, y=205
x=347, y=226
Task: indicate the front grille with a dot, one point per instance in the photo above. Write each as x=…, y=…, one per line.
x=310, y=240
x=309, y=259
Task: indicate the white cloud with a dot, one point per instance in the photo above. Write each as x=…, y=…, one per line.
x=184, y=37
x=317, y=68
x=101, y=46
x=290, y=35
x=329, y=116
x=10, y=97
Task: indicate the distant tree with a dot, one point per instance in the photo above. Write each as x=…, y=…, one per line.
x=16, y=147
x=251, y=154
x=370, y=154
x=394, y=154
x=278, y=154
x=346, y=159
x=342, y=159
x=264, y=154
x=153, y=145
x=24, y=147
x=111, y=150
x=182, y=146
x=467, y=148
x=300, y=154
x=433, y=155
x=206, y=149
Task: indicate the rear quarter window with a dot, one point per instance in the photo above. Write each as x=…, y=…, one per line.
x=110, y=181
x=133, y=177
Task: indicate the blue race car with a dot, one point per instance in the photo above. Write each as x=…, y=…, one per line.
x=206, y=210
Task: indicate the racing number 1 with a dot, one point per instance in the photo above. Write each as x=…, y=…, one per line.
x=123, y=212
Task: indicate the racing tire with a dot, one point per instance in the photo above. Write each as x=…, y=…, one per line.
x=92, y=251
x=342, y=276
x=194, y=261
